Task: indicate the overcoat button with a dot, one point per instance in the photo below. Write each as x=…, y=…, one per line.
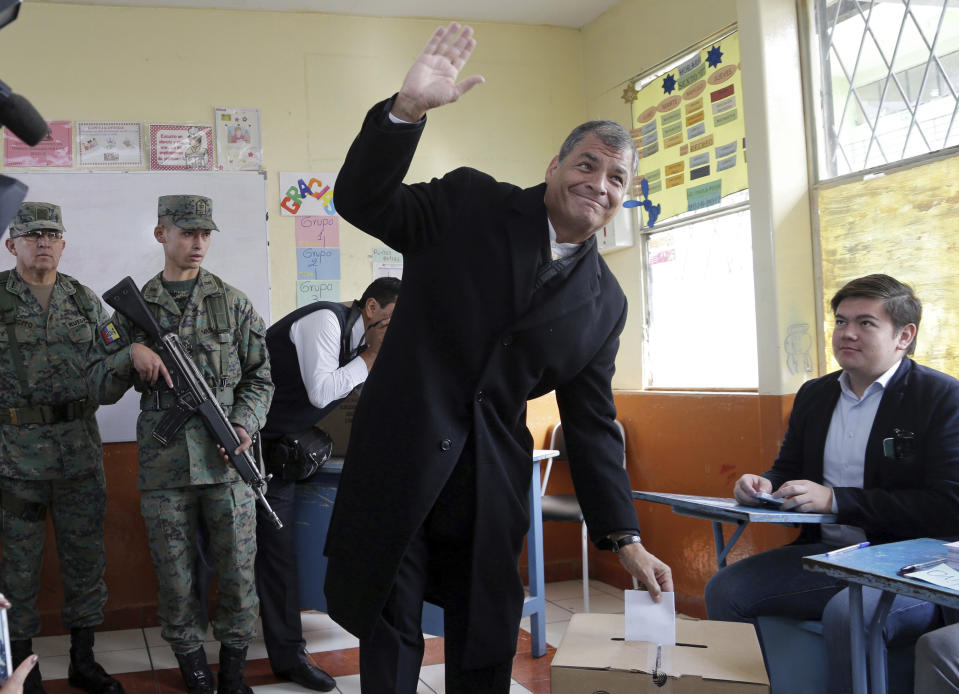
x=480, y=396
x=508, y=340
x=445, y=445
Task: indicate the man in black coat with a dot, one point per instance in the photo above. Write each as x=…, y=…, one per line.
x=505, y=298
x=878, y=445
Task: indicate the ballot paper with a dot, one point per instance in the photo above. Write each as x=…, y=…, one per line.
x=650, y=621
x=942, y=575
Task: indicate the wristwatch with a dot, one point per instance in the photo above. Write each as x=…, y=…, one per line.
x=625, y=540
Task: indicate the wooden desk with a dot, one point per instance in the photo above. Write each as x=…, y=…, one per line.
x=877, y=567
x=721, y=510
x=314, y=506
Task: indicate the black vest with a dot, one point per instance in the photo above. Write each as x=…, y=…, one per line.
x=291, y=410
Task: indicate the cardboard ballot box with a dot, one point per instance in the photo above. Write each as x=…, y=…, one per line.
x=708, y=658
x=339, y=423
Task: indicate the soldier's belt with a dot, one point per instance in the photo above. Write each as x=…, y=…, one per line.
x=164, y=400
x=47, y=414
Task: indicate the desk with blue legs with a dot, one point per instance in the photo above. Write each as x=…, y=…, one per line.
x=314, y=505
x=726, y=510
x=877, y=567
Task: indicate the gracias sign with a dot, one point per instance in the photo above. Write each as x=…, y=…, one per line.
x=307, y=194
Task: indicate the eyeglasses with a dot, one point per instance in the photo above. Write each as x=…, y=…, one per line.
x=47, y=234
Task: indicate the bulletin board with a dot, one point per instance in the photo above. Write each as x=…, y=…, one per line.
x=689, y=129
x=904, y=224
x=109, y=219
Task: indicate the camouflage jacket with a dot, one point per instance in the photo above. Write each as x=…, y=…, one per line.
x=57, y=347
x=240, y=377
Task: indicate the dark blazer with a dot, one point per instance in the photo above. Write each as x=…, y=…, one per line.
x=469, y=342
x=916, y=495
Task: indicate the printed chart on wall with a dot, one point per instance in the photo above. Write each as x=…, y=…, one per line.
x=309, y=198
x=688, y=127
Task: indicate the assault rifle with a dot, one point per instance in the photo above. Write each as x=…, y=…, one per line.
x=193, y=394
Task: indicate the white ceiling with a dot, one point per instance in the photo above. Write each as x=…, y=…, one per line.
x=565, y=13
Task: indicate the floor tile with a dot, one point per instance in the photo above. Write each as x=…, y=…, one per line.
x=329, y=640
x=51, y=645
x=554, y=633
x=133, y=660
x=54, y=667
x=348, y=685
x=314, y=621
x=432, y=678
x=561, y=590
x=279, y=688
x=119, y=640
x=129, y=653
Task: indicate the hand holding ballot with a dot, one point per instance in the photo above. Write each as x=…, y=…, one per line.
x=648, y=570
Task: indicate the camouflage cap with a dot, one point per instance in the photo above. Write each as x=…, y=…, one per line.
x=187, y=211
x=36, y=215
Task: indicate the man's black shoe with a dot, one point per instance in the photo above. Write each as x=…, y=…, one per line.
x=308, y=675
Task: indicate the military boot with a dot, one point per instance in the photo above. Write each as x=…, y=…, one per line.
x=20, y=650
x=230, y=680
x=196, y=673
x=84, y=672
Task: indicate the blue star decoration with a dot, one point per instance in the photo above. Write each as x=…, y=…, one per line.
x=714, y=57
x=652, y=211
x=669, y=84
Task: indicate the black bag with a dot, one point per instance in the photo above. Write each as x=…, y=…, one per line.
x=295, y=457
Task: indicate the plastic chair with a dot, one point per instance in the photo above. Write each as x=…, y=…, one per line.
x=565, y=507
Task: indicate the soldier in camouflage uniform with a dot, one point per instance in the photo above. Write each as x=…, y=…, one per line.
x=51, y=459
x=187, y=482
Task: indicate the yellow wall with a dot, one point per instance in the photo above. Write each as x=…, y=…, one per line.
x=313, y=77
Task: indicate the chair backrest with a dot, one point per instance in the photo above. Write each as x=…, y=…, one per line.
x=557, y=442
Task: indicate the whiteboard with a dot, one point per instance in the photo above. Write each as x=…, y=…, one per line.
x=109, y=218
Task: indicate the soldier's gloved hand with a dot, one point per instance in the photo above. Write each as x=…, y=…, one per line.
x=148, y=364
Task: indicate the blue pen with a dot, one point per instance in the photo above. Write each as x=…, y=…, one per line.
x=834, y=552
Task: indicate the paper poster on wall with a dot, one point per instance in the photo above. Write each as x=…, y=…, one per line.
x=238, y=146
x=307, y=194
x=316, y=290
x=688, y=127
x=387, y=263
x=318, y=231
x=313, y=263
x=181, y=147
x=109, y=145
x=55, y=149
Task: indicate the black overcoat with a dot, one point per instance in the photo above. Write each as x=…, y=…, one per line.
x=469, y=342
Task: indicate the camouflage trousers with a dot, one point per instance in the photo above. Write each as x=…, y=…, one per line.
x=77, y=507
x=172, y=517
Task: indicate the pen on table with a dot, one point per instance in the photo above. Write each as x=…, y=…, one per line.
x=834, y=552
x=909, y=568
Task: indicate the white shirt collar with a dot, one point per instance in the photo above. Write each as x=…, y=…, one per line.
x=559, y=250
x=883, y=381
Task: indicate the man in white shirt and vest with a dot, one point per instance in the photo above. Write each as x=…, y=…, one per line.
x=320, y=353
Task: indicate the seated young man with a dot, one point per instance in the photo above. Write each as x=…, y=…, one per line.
x=876, y=443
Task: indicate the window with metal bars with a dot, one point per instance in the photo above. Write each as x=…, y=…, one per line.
x=886, y=79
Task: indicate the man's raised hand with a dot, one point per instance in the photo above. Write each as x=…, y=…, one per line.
x=431, y=81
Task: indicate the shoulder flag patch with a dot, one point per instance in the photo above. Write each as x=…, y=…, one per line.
x=109, y=333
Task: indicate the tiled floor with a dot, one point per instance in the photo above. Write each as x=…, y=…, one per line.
x=144, y=664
